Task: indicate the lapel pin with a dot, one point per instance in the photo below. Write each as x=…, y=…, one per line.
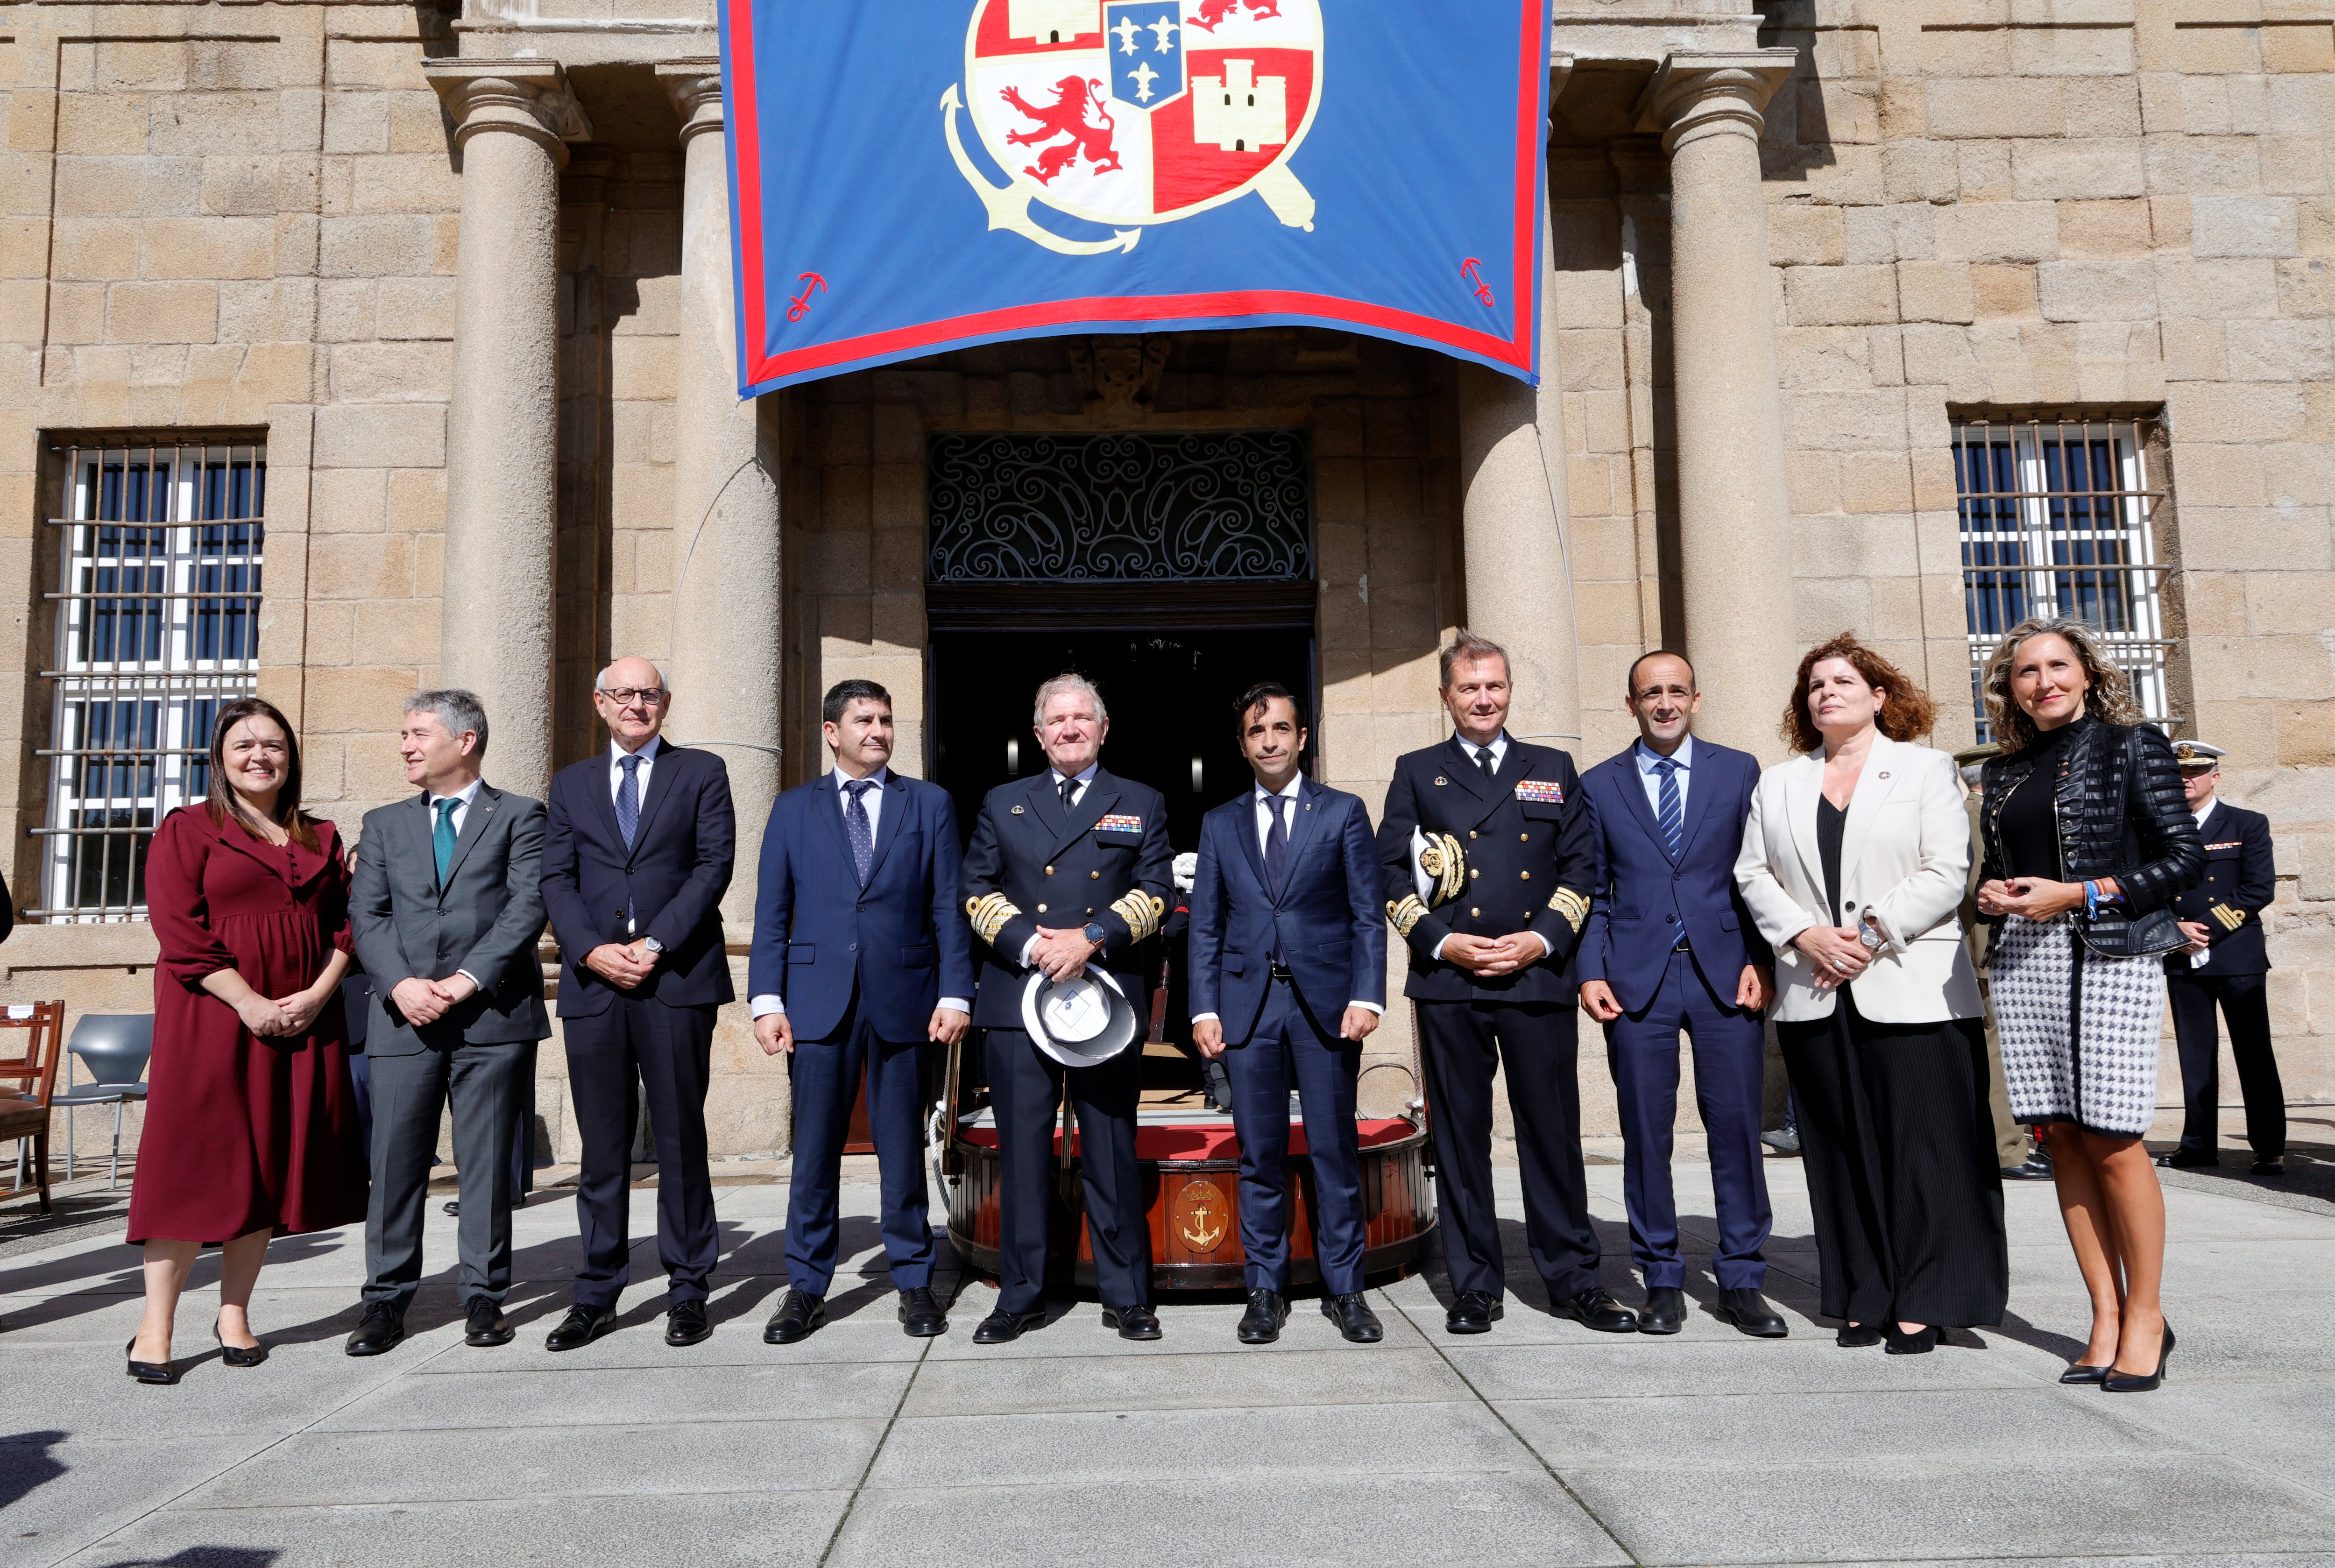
x=1017, y=811
x=1884, y=773
x=1440, y=780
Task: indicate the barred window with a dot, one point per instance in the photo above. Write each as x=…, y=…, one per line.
x=2055, y=520
x=158, y=624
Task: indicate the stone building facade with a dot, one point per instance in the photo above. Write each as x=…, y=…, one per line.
x=1825, y=281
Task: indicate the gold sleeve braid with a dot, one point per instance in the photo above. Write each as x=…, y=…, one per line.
x=1142, y=912
x=989, y=915
x=1406, y=914
x=2231, y=919
x=1572, y=906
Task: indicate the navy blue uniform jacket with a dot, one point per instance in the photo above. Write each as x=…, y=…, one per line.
x=674, y=876
x=1326, y=915
x=899, y=940
x=1028, y=866
x=1526, y=838
x=1643, y=897
x=2241, y=877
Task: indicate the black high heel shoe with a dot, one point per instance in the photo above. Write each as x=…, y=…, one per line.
x=2116, y=1382
x=2083, y=1372
x=1915, y=1344
x=149, y=1371
x=238, y=1355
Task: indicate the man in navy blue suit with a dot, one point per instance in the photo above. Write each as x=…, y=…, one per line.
x=636, y=855
x=860, y=956
x=1669, y=949
x=1288, y=979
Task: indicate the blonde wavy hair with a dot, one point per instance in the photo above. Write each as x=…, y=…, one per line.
x=2108, y=698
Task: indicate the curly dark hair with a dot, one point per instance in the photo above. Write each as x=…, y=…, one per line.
x=1908, y=711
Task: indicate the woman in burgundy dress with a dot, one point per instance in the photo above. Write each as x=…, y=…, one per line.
x=251, y=1123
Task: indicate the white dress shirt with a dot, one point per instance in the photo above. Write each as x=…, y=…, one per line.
x=1645, y=755
x=648, y=756
x=770, y=1001
x=1499, y=749
x=2199, y=960
x=1268, y=803
x=459, y=815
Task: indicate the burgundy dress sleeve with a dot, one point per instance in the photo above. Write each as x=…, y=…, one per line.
x=175, y=901
x=332, y=891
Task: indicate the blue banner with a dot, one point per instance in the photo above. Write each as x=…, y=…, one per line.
x=909, y=176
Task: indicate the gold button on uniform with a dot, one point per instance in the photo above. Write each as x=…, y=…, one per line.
x=1523, y=837
x=1050, y=871
x=1094, y=877
x=1042, y=909
x=1474, y=872
x=1475, y=912
x=1526, y=875
x=1471, y=833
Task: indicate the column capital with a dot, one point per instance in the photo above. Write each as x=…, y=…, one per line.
x=695, y=85
x=1703, y=93
x=529, y=97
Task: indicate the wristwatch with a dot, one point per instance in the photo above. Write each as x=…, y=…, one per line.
x=654, y=945
x=1094, y=933
x=1871, y=936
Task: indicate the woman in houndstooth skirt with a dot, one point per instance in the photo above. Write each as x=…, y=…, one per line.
x=2088, y=838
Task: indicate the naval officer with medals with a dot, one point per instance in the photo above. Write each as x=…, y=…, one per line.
x=1069, y=870
x=1507, y=832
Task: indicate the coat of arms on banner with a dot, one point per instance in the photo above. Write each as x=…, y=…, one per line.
x=1132, y=113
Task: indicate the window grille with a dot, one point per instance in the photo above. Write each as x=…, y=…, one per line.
x=2055, y=520
x=157, y=626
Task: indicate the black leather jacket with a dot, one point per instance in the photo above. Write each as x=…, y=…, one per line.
x=2121, y=814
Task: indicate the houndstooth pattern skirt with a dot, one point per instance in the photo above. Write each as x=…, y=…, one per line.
x=2080, y=1031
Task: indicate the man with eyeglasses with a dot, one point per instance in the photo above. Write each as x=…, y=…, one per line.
x=636, y=856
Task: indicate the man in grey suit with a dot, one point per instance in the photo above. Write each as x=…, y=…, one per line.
x=446, y=909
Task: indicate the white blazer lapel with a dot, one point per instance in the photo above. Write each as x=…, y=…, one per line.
x=1802, y=788
x=1883, y=773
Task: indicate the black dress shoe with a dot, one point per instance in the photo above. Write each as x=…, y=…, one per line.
x=798, y=1315
x=155, y=1372
x=1921, y=1342
x=580, y=1327
x=1352, y=1312
x=2268, y=1167
x=1664, y=1311
x=921, y=1313
x=485, y=1325
x=1857, y=1337
x=1136, y=1323
x=2117, y=1383
x=2079, y=1373
x=1749, y=1311
x=2034, y=1168
x=454, y=1206
x=1002, y=1328
x=2189, y=1158
x=1474, y=1312
x=1261, y=1324
x=685, y=1324
x=1594, y=1308
x=381, y=1329
x=236, y=1355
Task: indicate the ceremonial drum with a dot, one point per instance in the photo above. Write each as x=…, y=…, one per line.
x=1190, y=1167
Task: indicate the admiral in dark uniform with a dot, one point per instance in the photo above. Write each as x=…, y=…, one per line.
x=1064, y=866
x=1510, y=834
x=2226, y=965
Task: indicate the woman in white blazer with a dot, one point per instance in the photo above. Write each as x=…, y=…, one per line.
x=1854, y=864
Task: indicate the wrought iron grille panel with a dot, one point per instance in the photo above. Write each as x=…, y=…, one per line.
x=2056, y=521
x=158, y=624
x=1222, y=506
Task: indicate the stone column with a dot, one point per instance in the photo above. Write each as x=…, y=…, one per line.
x=513, y=121
x=725, y=654
x=1735, y=539
x=1513, y=522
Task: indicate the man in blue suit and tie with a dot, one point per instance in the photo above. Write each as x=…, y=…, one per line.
x=1671, y=948
x=636, y=855
x=1288, y=979
x=860, y=956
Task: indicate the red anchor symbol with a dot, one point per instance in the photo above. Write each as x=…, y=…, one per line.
x=799, y=307
x=1471, y=271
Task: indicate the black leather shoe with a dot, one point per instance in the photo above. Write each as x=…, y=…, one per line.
x=454, y=1206
x=1474, y=1312
x=1597, y=1310
x=1002, y=1328
x=1137, y=1322
x=1857, y=1337
x=1664, y=1311
x=1352, y=1312
x=685, y=1324
x=580, y=1327
x=2034, y=1168
x=485, y=1326
x=2079, y=1373
x=1261, y=1324
x=2268, y=1167
x=798, y=1315
x=1920, y=1342
x=2117, y=1383
x=236, y=1355
x=381, y=1329
x=921, y=1314
x=159, y=1373
x=2189, y=1158
x=1749, y=1311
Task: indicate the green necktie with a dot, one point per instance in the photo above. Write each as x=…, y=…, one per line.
x=442, y=837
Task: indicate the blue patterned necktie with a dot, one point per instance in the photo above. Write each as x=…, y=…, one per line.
x=442, y=837
x=1672, y=814
x=862, y=831
x=628, y=799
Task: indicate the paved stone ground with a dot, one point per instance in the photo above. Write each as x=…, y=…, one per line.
x=1541, y=1444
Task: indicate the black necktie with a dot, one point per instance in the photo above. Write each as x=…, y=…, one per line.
x=1276, y=843
x=1070, y=795
x=1484, y=761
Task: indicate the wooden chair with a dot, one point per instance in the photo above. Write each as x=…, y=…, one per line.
x=40, y=1029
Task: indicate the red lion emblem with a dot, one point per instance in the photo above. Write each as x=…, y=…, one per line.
x=1074, y=97
x=1214, y=11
